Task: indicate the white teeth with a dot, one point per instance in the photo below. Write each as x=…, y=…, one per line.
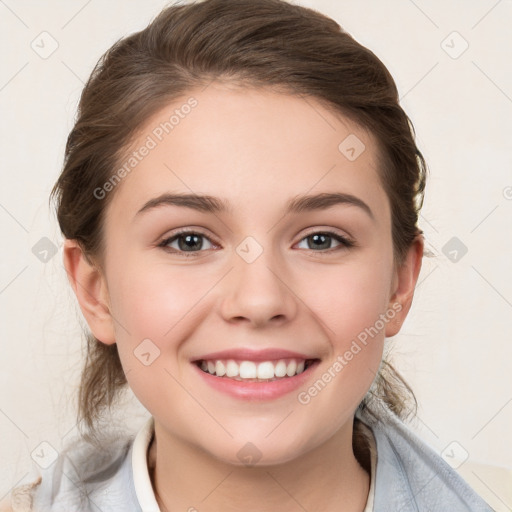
x=265, y=370
x=247, y=370
x=220, y=369
x=231, y=369
x=291, y=368
x=280, y=369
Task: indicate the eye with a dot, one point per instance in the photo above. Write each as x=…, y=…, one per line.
x=322, y=241
x=186, y=242
x=192, y=242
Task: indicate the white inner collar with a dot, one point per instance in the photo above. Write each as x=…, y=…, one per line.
x=141, y=480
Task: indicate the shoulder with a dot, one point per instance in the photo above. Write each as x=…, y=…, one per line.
x=410, y=475
x=84, y=477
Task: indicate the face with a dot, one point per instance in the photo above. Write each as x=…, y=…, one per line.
x=256, y=283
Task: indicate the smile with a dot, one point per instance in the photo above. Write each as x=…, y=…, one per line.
x=255, y=371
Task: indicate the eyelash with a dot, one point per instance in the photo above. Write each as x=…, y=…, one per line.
x=345, y=242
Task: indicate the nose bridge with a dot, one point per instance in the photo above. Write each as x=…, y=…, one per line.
x=255, y=290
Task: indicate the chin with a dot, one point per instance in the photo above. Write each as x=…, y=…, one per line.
x=259, y=452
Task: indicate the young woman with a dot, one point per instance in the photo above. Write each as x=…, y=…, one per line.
x=239, y=203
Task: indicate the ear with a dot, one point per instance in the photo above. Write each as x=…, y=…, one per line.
x=404, y=283
x=90, y=289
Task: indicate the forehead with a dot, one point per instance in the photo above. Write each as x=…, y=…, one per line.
x=251, y=146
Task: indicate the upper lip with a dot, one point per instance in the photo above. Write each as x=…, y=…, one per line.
x=247, y=354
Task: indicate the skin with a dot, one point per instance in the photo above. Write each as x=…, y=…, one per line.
x=256, y=149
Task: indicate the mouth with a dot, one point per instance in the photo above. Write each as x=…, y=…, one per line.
x=255, y=371
x=255, y=375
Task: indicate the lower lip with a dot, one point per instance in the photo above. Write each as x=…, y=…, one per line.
x=256, y=391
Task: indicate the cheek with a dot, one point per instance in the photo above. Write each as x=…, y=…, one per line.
x=353, y=310
x=152, y=299
x=351, y=299
x=356, y=335
x=156, y=308
x=149, y=308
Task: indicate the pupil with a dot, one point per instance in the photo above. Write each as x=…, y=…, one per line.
x=322, y=239
x=190, y=242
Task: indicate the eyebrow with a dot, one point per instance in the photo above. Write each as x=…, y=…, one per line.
x=298, y=204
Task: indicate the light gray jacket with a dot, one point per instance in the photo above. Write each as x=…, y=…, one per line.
x=410, y=477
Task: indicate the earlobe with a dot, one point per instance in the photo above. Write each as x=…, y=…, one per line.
x=90, y=289
x=404, y=284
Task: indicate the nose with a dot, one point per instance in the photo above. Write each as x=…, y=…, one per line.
x=258, y=293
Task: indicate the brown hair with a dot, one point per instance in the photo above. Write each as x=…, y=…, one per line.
x=268, y=43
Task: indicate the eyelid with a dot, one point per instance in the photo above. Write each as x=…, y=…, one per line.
x=166, y=239
x=329, y=231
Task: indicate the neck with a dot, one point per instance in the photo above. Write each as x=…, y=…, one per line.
x=187, y=478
